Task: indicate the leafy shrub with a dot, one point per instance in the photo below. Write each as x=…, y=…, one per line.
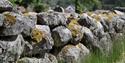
x=40, y=7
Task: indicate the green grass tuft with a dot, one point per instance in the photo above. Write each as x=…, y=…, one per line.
x=113, y=57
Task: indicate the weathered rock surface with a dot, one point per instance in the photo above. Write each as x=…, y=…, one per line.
x=15, y=24
x=47, y=59
x=30, y=20
x=86, y=21
x=1, y=19
x=61, y=36
x=51, y=18
x=49, y=37
x=48, y=43
x=105, y=44
x=11, y=50
x=43, y=42
x=119, y=24
x=72, y=54
x=5, y=5
x=76, y=30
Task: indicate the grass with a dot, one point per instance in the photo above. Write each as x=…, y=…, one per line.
x=113, y=57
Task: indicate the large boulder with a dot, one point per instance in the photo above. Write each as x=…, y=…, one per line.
x=11, y=48
x=40, y=43
x=52, y=19
x=49, y=58
x=5, y=5
x=61, y=36
x=72, y=54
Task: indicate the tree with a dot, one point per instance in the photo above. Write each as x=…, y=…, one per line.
x=82, y=5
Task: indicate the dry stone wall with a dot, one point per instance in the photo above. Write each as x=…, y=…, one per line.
x=49, y=37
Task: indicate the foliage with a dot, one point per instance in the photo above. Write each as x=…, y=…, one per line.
x=38, y=5
x=83, y=5
x=114, y=2
x=40, y=8
x=12, y=1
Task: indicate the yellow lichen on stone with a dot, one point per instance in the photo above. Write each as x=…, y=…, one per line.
x=97, y=17
x=29, y=14
x=37, y=35
x=9, y=19
x=90, y=13
x=26, y=14
x=74, y=27
x=66, y=48
x=109, y=16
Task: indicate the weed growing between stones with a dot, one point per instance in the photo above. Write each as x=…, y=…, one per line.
x=114, y=57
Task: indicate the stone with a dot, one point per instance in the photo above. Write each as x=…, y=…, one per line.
x=105, y=44
x=119, y=12
x=15, y=24
x=99, y=30
x=105, y=25
x=5, y=5
x=118, y=24
x=87, y=21
x=11, y=24
x=49, y=58
x=89, y=39
x=58, y=9
x=40, y=43
x=29, y=24
x=122, y=17
x=32, y=16
x=47, y=36
x=11, y=50
x=70, y=9
x=76, y=30
x=93, y=23
x=1, y=20
x=52, y=19
x=61, y=36
x=72, y=54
